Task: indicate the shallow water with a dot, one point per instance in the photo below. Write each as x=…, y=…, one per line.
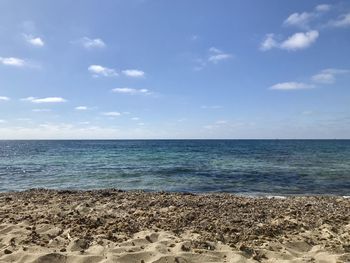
x=278, y=167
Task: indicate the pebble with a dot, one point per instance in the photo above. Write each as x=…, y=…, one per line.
x=7, y=251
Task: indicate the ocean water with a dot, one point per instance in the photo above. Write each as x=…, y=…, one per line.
x=253, y=167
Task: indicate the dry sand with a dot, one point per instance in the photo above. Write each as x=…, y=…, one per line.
x=115, y=226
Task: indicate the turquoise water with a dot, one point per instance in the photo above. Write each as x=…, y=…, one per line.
x=277, y=167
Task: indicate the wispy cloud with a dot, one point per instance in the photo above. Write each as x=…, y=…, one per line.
x=12, y=61
x=81, y=108
x=133, y=73
x=299, y=19
x=323, y=8
x=269, y=42
x=45, y=100
x=295, y=42
x=303, y=19
x=41, y=110
x=34, y=41
x=135, y=118
x=111, y=114
x=217, y=55
x=341, y=21
x=4, y=98
x=291, y=86
x=214, y=56
x=299, y=40
x=19, y=63
x=227, y=125
x=94, y=43
x=2, y=121
x=131, y=91
x=328, y=76
x=98, y=70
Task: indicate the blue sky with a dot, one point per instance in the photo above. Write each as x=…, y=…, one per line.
x=174, y=69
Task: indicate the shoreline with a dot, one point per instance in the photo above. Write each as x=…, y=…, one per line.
x=199, y=193
x=110, y=225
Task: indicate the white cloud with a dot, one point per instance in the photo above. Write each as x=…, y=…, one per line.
x=227, y=125
x=11, y=61
x=2, y=121
x=133, y=73
x=135, y=118
x=300, y=40
x=35, y=41
x=98, y=70
x=41, y=110
x=18, y=62
x=299, y=19
x=323, y=8
x=81, y=108
x=28, y=99
x=269, y=42
x=297, y=41
x=131, y=91
x=4, y=98
x=45, y=100
x=291, y=86
x=89, y=43
x=341, y=21
x=328, y=76
x=303, y=19
x=215, y=50
x=323, y=77
x=219, y=57
x=111, y=114
x=216, y=55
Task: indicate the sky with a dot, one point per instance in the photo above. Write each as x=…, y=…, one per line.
x=161, y=69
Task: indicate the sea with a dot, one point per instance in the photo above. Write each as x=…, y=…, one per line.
x=244, y=167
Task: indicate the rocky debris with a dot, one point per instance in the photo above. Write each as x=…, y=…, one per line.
x=242, y=222
x=186, y=246
x=80, y=244
x=7, y=251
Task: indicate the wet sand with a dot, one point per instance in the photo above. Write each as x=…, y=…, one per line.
x=116, y=226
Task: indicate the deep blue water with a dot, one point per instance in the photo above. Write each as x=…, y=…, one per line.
x=277, y=167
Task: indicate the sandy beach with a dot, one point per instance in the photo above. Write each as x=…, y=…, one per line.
x=116, y=226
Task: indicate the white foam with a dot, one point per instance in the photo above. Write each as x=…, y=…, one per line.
x=276, y=197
